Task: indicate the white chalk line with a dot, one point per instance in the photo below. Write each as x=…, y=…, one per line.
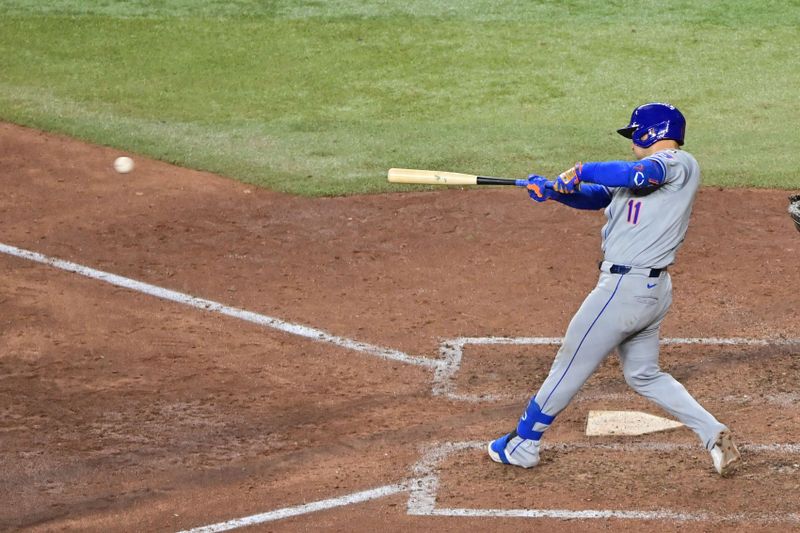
x=786, y=448
x=591, y=514
x=287, y=512
x=451, y=354
x=423, y=491
x=219, y=308
x=463, y=341
x=789, y=400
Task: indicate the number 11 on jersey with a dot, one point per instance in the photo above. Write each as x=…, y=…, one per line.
x=633, y=211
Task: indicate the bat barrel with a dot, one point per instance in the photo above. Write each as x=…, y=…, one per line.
x=436, y=177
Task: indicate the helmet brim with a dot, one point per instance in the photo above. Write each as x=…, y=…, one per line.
x=627, y=131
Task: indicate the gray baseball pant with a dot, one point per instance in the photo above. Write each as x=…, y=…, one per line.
x=624, y=311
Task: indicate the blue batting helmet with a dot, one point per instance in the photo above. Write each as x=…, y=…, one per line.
x=653, y=122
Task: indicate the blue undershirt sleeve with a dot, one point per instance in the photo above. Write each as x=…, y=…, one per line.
x=590, y=196
x=648, y=172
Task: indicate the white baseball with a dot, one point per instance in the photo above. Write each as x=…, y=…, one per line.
x=123, y=164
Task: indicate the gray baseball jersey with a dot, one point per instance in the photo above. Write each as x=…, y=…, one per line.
x=644, y=229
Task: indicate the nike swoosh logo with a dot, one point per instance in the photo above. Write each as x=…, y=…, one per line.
x=650, y=286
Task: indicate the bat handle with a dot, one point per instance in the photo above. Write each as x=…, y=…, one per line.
x=524, y=183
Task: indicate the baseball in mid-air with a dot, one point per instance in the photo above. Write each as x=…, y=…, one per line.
x=123, y=164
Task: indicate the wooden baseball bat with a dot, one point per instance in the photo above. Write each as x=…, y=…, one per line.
x=435, y=177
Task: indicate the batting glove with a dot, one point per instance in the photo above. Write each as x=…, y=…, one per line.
x=568, y=181
x=537, y=188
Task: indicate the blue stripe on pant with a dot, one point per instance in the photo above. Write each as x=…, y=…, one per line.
x=577, y=359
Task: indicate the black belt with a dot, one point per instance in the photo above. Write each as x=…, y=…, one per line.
x=624, y=269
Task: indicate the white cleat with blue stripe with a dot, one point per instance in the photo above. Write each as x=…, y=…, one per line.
x=512, y=449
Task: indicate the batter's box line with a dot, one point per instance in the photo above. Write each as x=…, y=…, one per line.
x=425, y=486
x=211, y=306
x=451, y=353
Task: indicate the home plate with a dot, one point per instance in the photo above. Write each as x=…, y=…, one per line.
x=626, y=423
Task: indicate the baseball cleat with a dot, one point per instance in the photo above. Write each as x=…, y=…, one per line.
x=724, y=454
x=512, y=449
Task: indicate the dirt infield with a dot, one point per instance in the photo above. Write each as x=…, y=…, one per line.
x=121, y=410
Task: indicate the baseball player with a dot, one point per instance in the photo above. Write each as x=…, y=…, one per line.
x=647, y=203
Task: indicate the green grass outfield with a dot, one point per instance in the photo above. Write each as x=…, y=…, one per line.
x=321, y=97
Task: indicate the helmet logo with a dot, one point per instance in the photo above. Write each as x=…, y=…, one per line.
x=653, y=134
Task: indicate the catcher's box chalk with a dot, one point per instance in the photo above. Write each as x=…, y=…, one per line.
x=626, y=423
